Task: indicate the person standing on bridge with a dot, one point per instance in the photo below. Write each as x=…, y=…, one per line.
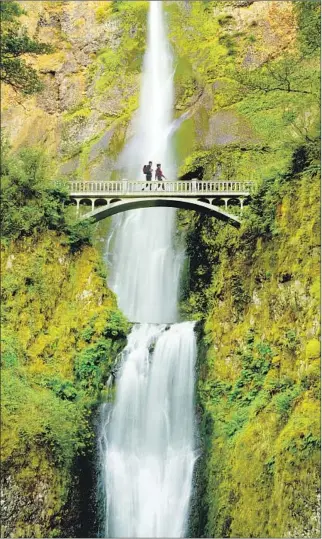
x=147, y=170
x=159, y=174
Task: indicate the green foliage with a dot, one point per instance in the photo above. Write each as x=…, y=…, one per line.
x=10, y=10
x=116, y=5
x=64, y=389
x=260, y=217
x=53, y=422
x=79, y=234
x=103, y=12
x=260, y=389
x=259, y=385
x=32, y=203
x=283, y=401
x=91, y=363
x=313, y=349
x=309, y=23
x=14, y=70
x=117, y=326
x=58, y=345
x=236, y=423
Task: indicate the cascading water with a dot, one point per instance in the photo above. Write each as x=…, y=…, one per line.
x=147, y=439
x=144, y=269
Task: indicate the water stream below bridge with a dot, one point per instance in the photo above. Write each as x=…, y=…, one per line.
x=147, y=449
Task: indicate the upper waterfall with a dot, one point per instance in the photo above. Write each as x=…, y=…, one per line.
x=144, y=265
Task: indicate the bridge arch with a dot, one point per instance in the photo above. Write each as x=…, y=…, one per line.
x=203, y=199
x=119, y=206
x=85, y=201
x=114, y=200
x=99, y=202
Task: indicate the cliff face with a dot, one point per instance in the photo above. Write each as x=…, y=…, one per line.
x=252, y=115
x=246, y=107
x=61, y=334
x=259, y=384
x=91, y=83
x=92, y=78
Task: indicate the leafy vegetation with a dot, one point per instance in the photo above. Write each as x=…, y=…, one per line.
x=15, y=45
x=32, y=203
x=257, y=293
x=61, y=333
x=59, y=342
x=253, y=107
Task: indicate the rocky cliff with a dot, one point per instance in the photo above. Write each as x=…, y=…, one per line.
x=92, y=77
x=257, y=295
x=61, y=334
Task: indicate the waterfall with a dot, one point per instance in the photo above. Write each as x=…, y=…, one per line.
x=144, y=268
x=147, y=438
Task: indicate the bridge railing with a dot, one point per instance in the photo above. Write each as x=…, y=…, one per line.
x=127, y=187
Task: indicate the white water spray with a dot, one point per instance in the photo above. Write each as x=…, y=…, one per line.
x=147, y=440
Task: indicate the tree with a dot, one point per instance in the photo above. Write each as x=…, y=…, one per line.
x=14, y=70
x=288, y=74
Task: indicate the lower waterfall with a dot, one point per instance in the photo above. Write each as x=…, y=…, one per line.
x=147, y=441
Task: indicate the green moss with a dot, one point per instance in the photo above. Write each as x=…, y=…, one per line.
x=118, y=64
x=83, y=112
x=62, y=333
x=259, y=384
x=313, y=349
x=184, y=140
x=103, y=12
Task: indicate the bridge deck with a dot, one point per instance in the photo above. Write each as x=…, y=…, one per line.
x=135, y=189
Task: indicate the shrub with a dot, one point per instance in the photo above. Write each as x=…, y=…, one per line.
x=117, y=325
x=91, y=362
x=283, y=402
x=32, y=204
x=64, y=389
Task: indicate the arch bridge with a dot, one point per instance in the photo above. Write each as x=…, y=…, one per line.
x=108, y=198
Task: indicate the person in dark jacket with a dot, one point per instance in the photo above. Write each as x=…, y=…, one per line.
x=159, y=174
x=147, y=170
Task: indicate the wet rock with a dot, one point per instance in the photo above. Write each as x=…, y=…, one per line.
x=71, y=91
x=101, y=145
x=70, y=166
x=70, y=65
x=48, y=99
x=102, y=169
x=226, y=127
x=79, y=130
